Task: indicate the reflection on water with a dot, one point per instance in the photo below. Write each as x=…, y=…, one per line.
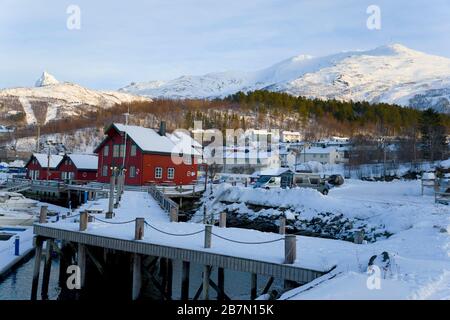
x=17, y=286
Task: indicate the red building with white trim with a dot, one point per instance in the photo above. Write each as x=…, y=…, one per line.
x=41, y=165
x=149, y=156
x=82, y=167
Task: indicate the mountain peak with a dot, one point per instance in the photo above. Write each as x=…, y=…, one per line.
x=46, y=79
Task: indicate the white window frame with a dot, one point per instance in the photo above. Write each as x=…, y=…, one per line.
x=132, y=172
x=106, y=151
x=170, y=173
x=133, y=150
x=158, y=173
x=105, y=174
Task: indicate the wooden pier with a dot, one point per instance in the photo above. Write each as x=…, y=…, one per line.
x=137, y=251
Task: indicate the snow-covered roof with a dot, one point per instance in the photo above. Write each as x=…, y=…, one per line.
x=84, y=161
x=44, y=161
x=148, y=140
x=319, y=150
x=274, y=171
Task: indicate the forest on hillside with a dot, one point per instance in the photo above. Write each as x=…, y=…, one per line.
x=263, y=109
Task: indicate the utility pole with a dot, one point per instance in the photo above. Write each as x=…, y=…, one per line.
x=38, y=137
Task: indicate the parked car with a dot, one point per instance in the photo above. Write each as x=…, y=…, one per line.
x=335, y=180
x=313, y=181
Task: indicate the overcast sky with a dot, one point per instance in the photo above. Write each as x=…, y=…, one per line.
x=124, y=41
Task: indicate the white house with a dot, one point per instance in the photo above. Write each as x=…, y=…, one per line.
x=291, y=136
x=324, y=155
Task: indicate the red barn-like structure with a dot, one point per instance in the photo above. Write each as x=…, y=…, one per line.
x=41, y=166
x=149, y=156
x=82, y=167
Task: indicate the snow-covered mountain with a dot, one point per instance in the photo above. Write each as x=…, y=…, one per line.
x=392, y=73
x=52, y=100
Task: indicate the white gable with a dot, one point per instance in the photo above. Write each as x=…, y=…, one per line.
x=43, y=160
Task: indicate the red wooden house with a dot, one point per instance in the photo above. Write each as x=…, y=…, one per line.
x=148, y=156
x=42, y=166
x=81, y=167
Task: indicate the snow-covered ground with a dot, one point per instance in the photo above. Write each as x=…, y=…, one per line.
x=418, y=264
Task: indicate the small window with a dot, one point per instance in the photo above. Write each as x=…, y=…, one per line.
x=105, y=171
x=133, y=150
x=171, y=173
x=106, y=151
x=132, y=172
x=122, y=150
x=158, y=172
x=116, y=150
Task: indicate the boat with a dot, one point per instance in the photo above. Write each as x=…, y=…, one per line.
x=16, y=201
x=16, y=218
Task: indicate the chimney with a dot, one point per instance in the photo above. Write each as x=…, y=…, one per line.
x=162, y=128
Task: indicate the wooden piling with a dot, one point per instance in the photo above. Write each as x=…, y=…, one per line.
x=47, y=269
x=112, y=187
x=208, y=234
x=282, y=229
x=82, y=263
x=185, y=280
x=37, y=265
x=223, y=220
x=137, y=276
x=173, y=214
x=83, y=221
x=254, y=286
x=206, y=276
x=139, y=229
x=290, y=248
x=43, y=214
x=169, y=278
x=221, y=283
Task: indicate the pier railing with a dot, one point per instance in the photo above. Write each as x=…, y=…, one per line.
x=165, y=202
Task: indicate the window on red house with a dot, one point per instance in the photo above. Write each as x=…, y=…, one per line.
x=170, y=173
x=158, y=173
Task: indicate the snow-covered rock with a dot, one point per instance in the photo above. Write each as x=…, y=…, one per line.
x=46, y=79
x=392, y=74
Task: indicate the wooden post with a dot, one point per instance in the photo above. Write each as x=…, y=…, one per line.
x=137, y=276
x=63, y=263
x=82, y=263
x=173, y=214
x=47, y=269
x=290, y=248
x=139, y=229
x=112, y=187
x=221, y=283
x=43, y=214
x=83, y=221
x=169, y=278
x=208, y=234
x=204, y=214
x=206, y=276
x=185, y=281
x=37, y=266
x=223, y=220
x=254, y=286
x=282, y=229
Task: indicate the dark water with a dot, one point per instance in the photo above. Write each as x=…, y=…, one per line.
x=17, y=286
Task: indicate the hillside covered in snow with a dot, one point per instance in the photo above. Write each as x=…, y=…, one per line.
x=53, y=100
x=392, y=74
